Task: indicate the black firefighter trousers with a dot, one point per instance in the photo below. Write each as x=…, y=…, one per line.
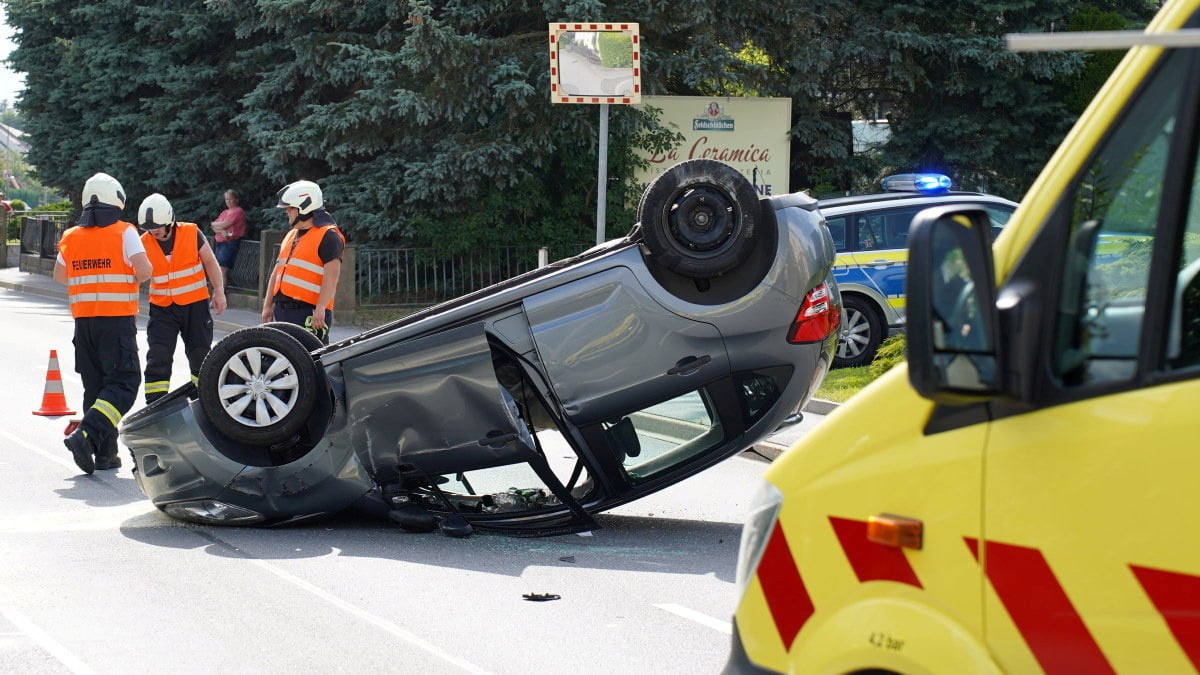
x=106, y=358
x=194, y=323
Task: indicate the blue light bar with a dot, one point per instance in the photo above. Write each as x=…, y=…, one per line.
x=916, y=182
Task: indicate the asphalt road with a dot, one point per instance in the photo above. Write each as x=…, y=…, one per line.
x=93, y=579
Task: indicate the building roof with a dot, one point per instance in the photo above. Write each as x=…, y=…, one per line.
x=12, y=140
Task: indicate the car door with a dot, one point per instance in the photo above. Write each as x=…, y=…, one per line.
x=433, y=403
x=851, y=232
x=882, y=250
x=608, y=347
x=1091, y=555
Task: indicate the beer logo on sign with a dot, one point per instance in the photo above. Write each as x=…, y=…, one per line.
x=713, y=119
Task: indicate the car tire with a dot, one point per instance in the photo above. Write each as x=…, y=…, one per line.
x=861, y=334
x=259, y=386
x=306, y=337
x=699, y=219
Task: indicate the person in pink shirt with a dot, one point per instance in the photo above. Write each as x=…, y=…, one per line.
x=228, y=230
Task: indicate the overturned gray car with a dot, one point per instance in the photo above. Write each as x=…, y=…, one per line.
x=530, y=405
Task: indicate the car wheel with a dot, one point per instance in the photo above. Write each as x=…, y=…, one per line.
x=258, y=386
x=311, y=342
x=861, y=333
x=699, y=218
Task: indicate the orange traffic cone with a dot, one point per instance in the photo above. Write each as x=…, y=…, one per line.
x=54, y=402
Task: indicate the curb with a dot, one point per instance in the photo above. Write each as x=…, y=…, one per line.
x=819, y=406
x=769, y=451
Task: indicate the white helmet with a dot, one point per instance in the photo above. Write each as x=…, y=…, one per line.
x=155, y=212
x=104, y=189
x=305, y=195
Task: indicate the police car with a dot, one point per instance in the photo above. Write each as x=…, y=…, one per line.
x=870, y=235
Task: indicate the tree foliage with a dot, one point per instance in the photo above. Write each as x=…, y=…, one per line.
x=430, y=122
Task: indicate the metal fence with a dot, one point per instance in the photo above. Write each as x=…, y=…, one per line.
x=384, y=277
x=244, y=273
x=41, y=230
x=396, y=277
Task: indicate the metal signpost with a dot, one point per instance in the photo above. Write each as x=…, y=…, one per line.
x=596, y=63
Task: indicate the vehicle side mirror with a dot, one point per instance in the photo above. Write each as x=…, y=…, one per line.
x=952, y=334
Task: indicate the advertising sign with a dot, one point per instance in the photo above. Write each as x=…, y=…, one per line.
x=749, y=134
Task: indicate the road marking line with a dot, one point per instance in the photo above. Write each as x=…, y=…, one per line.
x=368, y=617
x=43, y=639
x=702, y=619
x=61, y=459
x=139, y=514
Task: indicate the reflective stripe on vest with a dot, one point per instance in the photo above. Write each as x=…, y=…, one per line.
x=299, y=267
x=99, y=281
x=179, y=279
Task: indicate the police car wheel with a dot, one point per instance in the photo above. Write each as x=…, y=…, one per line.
x=259, y=386
x=699, y=219
x=861, y=333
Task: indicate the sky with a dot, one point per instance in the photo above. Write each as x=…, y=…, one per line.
x=10, y=83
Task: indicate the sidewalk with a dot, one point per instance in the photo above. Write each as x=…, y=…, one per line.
x=232, y=319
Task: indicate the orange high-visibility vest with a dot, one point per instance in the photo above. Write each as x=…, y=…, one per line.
x=179, y=279
x=99, y=281
x=299, y=268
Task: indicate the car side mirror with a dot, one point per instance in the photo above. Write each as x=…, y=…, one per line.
x=953, y=345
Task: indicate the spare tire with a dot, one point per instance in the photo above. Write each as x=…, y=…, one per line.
x=699, y=218
x=259, y=386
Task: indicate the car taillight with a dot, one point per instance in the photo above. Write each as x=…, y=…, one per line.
x=817, y=317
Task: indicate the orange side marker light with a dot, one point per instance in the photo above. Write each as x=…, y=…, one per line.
x=892, y=530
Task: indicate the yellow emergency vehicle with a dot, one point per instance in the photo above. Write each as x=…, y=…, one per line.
x=1020, y=496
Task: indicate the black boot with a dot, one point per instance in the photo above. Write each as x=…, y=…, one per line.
x=81, y=449
x=108, y=459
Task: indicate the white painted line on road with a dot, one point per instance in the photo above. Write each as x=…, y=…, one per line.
x=43, y=639
x=370, y=618
x=140, y=514
x=702, y=619
x=60, y=458
x=93, y=518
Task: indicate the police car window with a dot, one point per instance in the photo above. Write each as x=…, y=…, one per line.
x=895, y=229
x=884, y=230
x=998, y=216
x=837, y=230
x=866, y=234
x=1115, y=210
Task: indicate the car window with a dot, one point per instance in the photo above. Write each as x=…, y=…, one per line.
x=867, y=232
x=998, y=215
x=1107, y=264
x=887, y=229
x=661, y=437
x=1183, y=343
x=505, y=489
x=837, y=230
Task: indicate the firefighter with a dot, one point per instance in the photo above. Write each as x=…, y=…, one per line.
x=102, y=261
x=184, y=265
x=306, y=273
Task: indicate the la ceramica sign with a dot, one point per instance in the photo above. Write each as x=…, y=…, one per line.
x=749, y=134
